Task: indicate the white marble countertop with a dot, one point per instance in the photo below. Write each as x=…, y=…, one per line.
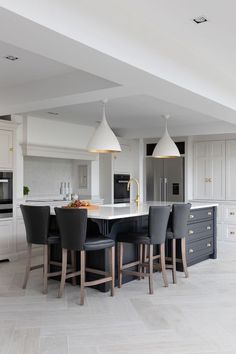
x=126, y=210
x=119, y=211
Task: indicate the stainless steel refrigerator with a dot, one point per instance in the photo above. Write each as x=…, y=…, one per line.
x=165, y=179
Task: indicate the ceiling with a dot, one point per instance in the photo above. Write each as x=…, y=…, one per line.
x=134, y=116
x=153, y=61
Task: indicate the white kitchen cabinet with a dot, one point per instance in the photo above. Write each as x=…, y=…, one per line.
x=209, y=170
x=7, y=244
x=21, y=244
x=6, y=149
x=231, y=170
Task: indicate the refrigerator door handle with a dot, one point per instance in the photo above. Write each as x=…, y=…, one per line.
x=161, y=189
x=165, y=189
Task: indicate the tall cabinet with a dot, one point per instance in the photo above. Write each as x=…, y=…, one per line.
x=231, y=170
x=209, y=170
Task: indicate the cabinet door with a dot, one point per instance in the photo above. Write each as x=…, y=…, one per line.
x=21, y=244
x=201, y=188
x=6, y=238
x=6, y=149
x=231, y=170
x=209, y=170
x=216, y=170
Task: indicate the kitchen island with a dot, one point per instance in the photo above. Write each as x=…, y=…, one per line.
x=111, y=219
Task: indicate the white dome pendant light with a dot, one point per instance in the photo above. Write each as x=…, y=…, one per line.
x=103, y=139
x=166, y=148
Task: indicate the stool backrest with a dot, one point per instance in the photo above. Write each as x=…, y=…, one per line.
x=36, y=219
x=73, y=227
x=180, y=216
x=157, y=223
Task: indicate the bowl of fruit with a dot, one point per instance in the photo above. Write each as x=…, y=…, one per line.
x=85, y=204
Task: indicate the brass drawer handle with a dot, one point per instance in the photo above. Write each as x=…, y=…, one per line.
x=232, y=233
x=209, y=244
x=190, y=250
x=191, y=216
x=232, y=213
x=208, y=228
x=209, y=213
x=191, y=232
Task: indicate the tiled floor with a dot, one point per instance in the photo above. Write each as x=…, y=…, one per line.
x=198, y=315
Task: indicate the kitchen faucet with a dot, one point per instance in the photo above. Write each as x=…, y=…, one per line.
x=137, y=199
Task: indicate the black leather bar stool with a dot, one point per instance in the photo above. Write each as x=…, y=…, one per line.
x=37, y=221
x=178, y=230
x=73, y=230
x=156, y=235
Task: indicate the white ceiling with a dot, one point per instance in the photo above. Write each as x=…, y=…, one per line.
x=136, y=116
x=152, y=61
x=29, y=67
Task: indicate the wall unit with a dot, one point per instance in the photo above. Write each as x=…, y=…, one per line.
x=209, y=170
x=6, y=149
x=231, y=170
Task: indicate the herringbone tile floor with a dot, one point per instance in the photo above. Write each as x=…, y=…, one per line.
x=198, y=315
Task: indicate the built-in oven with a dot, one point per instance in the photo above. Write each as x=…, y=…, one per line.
x=6, y=194
x=121, y=194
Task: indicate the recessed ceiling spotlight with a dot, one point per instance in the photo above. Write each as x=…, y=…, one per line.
x=200, y=19
x=11, y=57
x=53, y=113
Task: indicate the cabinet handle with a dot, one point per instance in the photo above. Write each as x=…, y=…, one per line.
x=210, y=179
x=191, y=216
x=191, y=232
x=209, y=213
x=209, y=244
x=11, y=149
x=232, y=213
x=190, y=250
x=208, y=228
x=232, y=233
x=206, y=179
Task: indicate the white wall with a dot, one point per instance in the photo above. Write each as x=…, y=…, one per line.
x=48, y=132
x=44, y=175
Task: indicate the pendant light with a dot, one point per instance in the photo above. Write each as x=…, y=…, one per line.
x=103, y=139
x=166, y=148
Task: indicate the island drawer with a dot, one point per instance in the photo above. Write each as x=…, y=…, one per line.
x=199, y=248
x=200, y=230
x=200, y=214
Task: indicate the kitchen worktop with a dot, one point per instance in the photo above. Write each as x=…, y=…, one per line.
x=123, y=210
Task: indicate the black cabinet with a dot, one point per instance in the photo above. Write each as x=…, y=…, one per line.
x=201, y=239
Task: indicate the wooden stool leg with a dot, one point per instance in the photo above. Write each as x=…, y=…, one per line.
x=112, y=268
x=120, y=263
x=151, y=269
x=63, y=272
x=163, y=264
x=73, y=264
x=174, y=261
x=145, y=257
x=140, y=268
x=28, y=265
x=82, y=276
x=45, y=269
x=184, y=260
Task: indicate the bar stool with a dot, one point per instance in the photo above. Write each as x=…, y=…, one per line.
x=73, y=228
x=37, y=221
x=156, y=235
x=178, y=230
